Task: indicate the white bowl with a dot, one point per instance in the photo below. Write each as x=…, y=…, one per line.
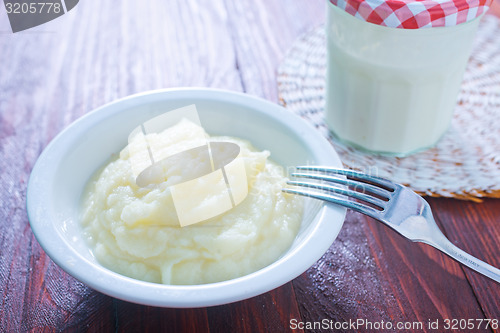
x=63, y=169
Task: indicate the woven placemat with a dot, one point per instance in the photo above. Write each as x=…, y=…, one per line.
x=465, y=164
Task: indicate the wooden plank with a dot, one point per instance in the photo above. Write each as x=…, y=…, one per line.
x=372, y=273
x=475, y=228
x=263, y=31
x=270, y=312
x=131, y=317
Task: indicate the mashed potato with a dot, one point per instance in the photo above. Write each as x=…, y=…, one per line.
x=134, y=230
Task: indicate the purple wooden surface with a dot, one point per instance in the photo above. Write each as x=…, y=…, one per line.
x=100, y=51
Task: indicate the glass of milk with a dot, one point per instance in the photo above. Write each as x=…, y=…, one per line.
x=392, y=85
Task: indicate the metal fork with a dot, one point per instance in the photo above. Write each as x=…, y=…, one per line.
x=393, y=204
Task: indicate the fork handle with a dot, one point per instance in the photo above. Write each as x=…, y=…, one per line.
x=441, y=243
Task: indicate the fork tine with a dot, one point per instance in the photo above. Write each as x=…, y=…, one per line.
x=350, y=173
x=372, y=212
x=354, y=194
x=365, y=186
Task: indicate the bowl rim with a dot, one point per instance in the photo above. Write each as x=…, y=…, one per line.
x=285, y=269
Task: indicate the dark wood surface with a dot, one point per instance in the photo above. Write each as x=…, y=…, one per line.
x=104, y=50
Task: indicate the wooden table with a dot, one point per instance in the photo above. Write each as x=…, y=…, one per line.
x=104, y=50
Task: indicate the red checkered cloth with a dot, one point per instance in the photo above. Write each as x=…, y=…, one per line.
x=414, y=14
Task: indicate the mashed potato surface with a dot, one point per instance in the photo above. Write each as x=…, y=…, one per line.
x=134, y=230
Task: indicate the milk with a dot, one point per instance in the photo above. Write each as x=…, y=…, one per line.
x=392, y=90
